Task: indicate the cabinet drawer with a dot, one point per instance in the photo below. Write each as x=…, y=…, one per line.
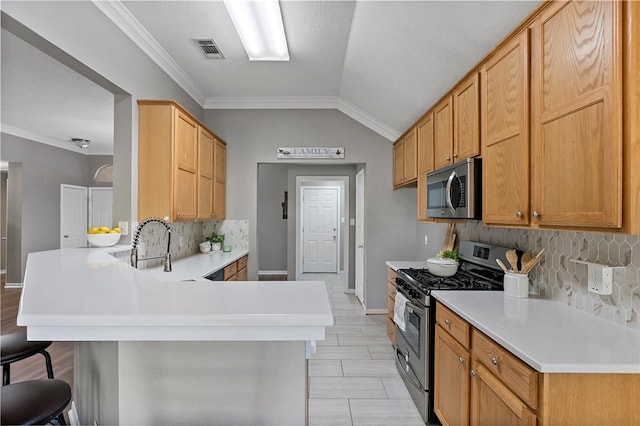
x=391, y=275
x=242, y=262
x=453, y=324
x=392, y=290
x=230, y=270
x=518, y=376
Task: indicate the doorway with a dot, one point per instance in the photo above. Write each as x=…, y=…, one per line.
x=320, y=229
x=341, y=183
x=360, y=270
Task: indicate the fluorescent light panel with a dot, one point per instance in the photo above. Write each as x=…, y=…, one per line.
x=259, y=25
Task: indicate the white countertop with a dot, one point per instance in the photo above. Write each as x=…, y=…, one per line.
x=85, y=294
x=196, y=267
x=400, y=264
x=549, y=336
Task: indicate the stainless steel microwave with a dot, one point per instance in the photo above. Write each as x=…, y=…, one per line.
x=454, y=192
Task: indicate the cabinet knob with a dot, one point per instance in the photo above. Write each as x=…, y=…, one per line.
x=448, y=158
x=473, y=373
x=447, y=322
x=536, y=214
x=518, y=214
x=494, y=361
x=455, y=155
x=461, y=360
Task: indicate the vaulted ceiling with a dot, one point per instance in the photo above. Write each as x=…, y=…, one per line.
x=381, y=62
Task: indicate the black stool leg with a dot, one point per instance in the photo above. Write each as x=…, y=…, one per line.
x=6, y=374
x=47, y=359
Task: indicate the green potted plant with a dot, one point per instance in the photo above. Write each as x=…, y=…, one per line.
x=216, y=240
x=448, y=254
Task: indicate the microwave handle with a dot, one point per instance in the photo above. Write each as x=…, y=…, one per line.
x=452, y=176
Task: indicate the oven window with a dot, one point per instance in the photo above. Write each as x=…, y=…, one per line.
x=414, y=324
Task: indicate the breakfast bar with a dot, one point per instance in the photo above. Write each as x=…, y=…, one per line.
x=153, y=351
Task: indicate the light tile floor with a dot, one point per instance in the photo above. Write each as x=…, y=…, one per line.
x=353, y=377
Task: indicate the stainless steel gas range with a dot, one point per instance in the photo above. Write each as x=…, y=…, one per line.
x=415, y=344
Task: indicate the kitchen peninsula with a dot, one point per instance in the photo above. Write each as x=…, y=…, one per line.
x=150, y=351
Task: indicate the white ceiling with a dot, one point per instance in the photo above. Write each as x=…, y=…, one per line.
x=381, y=62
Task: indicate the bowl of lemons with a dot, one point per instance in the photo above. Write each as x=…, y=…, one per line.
x=103, y=236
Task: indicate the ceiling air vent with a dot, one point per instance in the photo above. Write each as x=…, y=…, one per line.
x=209, y=48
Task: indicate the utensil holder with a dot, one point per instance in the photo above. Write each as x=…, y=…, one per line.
x=516, y=285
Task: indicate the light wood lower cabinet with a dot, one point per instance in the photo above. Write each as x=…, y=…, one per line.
x=484, y=384
x=391, y=285
x=236, y=271
x=452, y=379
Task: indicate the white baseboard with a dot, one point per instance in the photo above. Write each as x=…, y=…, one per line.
x=13, y=285
x=376, y=311
x=273, y=272
x=73, y=415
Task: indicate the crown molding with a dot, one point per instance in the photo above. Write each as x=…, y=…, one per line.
x=132, y=28
x=306, y=102
x=368, y=120
x=58, y=143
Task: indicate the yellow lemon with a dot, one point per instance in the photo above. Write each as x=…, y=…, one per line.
x=102, y=232
x=115, y=230
x=104, y=228
x=93, y=230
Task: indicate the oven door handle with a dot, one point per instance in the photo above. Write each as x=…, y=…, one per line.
x=415, y=309
x=413, y=382
x=452, y=176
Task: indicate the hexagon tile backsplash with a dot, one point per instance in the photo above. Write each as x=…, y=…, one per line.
x=559, y=279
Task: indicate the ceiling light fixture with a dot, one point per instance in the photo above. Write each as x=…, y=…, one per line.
x=259, y=25
x=81, y=143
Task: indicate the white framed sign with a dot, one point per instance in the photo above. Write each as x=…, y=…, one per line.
x=310, y=152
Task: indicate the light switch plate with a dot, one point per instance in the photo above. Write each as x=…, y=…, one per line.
x=124, y=228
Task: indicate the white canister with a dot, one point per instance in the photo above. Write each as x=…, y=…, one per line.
x=516, y=285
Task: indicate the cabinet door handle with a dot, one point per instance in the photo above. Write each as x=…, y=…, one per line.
x=472, y=373
x=455, y=155
x=518, y=214
x=448, y=158
x=461, y=360
x=494, y=361
x=448, y=323
x=536, y=214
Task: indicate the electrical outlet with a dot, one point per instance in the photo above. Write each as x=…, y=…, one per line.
x=124, y=228
x=426, y=239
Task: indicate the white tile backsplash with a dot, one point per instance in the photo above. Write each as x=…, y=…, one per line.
x=559, y=279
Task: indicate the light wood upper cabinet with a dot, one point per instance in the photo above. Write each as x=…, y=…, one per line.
x=505, y=135
x=220, y=179
x=405, y=159
x=443, y=133
x=425, y=143
x=576, y=98
x=205, y=175
x=466, y=119
x=175, y=164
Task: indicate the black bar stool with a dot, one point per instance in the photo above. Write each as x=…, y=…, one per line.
x=15, y=347
x=34, y=402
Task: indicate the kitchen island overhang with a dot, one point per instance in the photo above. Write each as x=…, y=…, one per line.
x=153, y=352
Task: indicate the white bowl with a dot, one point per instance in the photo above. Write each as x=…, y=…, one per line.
x=103, y=240
x=442, y=267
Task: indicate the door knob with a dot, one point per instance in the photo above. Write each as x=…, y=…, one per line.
x=66, y=236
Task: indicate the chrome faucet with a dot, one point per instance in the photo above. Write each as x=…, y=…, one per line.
x=136, y=237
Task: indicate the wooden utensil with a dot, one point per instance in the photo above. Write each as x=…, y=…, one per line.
x=526, y=258
x=502, y=265
x=512, y=258
x=533, y=262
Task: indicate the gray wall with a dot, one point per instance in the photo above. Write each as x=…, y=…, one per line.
x=253, y=136
x=44, y=168
x=272, y=244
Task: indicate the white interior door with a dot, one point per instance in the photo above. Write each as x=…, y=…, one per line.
x=100, y=206
x=73, y=216
x=320, y=229
x=359, y=276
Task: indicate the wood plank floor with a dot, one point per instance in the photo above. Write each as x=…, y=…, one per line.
x=34, y=367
